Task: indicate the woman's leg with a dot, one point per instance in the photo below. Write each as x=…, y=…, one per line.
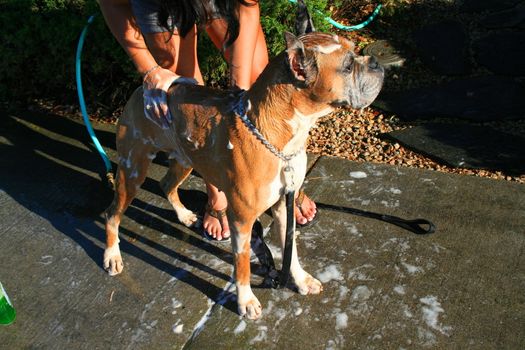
x=180, y=55
x=247, y=56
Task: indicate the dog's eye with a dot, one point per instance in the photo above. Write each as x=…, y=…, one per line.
x=349, y=65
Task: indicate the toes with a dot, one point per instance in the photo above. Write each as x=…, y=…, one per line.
x=310, y=213
x=252, y=310
x=306, y=212
x=216, y=228
x=113, y=261
x=189, y=219
x=309, y=285
x=225, y=228
x=114, y=266
x=299, y=218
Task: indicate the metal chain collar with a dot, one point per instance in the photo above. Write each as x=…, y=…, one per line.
x=240, y=109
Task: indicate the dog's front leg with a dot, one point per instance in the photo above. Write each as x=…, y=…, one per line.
x=306, y=284
x=247, y=302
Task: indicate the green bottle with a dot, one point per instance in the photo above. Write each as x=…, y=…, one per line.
x=7, y=311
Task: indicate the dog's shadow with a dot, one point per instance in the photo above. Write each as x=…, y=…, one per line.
x=49, y=176
x=195, y=201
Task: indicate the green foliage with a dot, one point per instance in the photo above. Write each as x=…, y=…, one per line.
x=279, y=16
x=40, y=38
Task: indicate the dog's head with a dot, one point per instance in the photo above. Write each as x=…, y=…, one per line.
x=327, y=67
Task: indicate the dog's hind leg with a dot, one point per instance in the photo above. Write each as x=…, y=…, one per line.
x=306, y=284
x=131, y=173
x=170, y=184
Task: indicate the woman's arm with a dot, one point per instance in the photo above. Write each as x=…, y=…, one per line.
x=119, y=18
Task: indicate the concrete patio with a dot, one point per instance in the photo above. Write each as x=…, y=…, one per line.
x=384, y=287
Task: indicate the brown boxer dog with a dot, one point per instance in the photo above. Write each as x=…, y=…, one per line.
x=251, y=145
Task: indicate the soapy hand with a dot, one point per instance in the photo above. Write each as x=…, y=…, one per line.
x=155, y=86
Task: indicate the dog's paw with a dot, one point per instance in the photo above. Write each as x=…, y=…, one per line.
x=309, y=285
x=113, y=261
x=248, y=303
x=187, y=217
x=252, y=309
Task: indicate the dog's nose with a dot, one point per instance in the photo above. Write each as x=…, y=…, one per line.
x=373, y=64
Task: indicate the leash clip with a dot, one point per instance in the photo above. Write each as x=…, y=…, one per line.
x=289, y=183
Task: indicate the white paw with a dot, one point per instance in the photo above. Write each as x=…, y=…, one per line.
x=247, y=302
x=308, y=285
x=113, y=261
x=252, y=309
x=186, y=217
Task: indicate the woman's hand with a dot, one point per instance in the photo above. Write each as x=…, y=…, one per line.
x=156, y=83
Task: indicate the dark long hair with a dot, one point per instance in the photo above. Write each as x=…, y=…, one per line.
x=186, y=13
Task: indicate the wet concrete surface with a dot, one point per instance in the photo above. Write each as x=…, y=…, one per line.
x=384, y=287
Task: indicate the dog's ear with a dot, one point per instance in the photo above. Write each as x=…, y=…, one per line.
x=301, y=67
x=303, y=20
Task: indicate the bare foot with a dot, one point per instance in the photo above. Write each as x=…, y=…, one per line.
x=215, y=222
x=305, y=209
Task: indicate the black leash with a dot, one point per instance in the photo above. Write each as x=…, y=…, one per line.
x=279, y=280
x=288, y=243
x=417, y=225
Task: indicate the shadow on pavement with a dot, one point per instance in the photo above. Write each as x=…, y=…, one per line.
x=49, y=170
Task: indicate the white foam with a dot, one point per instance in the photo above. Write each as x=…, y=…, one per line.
x=361, y=293
x=262, y=335
x=221, y=299
x=280, y=314
x=400, y=290
x=407, y=312
x=330, y=272
x=390, y=205
x=431, y=312
x=175, y=304
x=341, y=320
x=358, y=174
x=426, y=337
x=177, y=329
x=343, y=291
x=411, y=268
x=46, y=259
x=240, y=327
x=358, y=276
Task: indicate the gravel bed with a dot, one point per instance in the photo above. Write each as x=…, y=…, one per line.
x=355, y=135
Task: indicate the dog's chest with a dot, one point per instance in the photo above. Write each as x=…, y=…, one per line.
x=301, y=125
x=296, y=167
x=293, y=177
